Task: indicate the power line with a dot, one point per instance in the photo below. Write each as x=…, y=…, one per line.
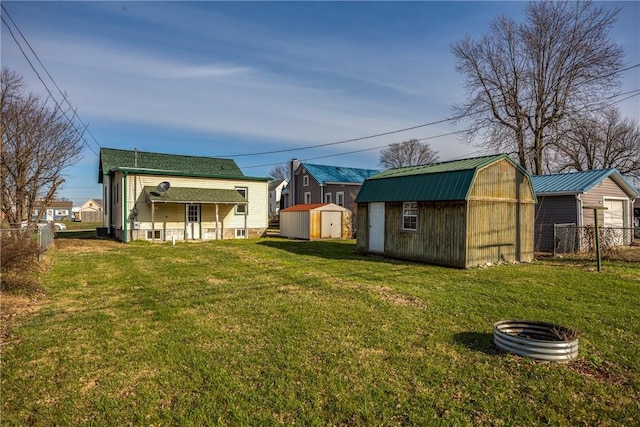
x=62, y=110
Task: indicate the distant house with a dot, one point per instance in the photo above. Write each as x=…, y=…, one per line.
x=153, y=196
x=563, y=197
x=461, y=213
x=57, y=210
x=316, y=221
x=275, y=194
x=311, y=184
x=90, y=211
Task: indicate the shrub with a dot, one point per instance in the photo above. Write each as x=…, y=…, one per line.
x=18, y=262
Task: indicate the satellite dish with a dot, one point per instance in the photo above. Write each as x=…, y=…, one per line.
x=163, y=186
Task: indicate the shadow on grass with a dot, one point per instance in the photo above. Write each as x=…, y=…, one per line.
x=477, y=341
x=76, y=234
x=329, y=249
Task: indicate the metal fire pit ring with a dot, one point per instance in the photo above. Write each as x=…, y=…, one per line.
x=538, y=340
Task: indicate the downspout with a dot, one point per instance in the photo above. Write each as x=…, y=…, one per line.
x=125, y=207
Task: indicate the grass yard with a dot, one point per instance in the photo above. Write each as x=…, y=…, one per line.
x=271, y=331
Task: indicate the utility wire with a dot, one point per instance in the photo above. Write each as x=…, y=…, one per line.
x=62, y=110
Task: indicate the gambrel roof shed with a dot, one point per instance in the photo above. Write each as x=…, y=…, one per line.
x=460, y=213
x=445, y=181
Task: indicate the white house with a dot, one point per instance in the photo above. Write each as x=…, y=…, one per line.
x=153, y=196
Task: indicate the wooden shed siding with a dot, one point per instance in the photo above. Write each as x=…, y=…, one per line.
x=499, y=231
x=362, y=228
x=440, y=238
x=501, y=181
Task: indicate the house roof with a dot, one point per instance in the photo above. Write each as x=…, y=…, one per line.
x=442, y=181
x=167, y=164
x=579, y=182
x=337, y=174
x=314, y=206
x=275, y=183
x=194, y=195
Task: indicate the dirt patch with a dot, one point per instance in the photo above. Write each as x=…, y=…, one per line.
x=604, y=373
x=390, y=296
x=13, y=308
x=86, y=245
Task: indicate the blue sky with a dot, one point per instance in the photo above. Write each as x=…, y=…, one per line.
x=230, y=78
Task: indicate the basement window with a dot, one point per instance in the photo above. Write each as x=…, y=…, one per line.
x=410, y=216
x=240, y=233
x=153, y=234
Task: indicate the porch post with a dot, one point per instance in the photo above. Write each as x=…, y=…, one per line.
x=217, y=226
x=153, y=222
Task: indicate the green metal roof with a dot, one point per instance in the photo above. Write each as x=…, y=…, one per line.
x=194, y=195
x=113, y=159
x=443, y=181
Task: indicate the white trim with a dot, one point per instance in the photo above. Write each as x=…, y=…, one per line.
x=307, y=195
x=327, y=198
x=338, y=195
x=305, y=180
x=408, y=206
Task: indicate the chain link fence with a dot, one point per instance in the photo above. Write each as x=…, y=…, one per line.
x=569, y=238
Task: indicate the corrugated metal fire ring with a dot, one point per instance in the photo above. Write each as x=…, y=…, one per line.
x=538, y=340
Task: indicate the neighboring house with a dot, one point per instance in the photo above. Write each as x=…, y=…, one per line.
x=57, y=210
x=325, y=184
x=275, y=194
x=316, y=221
x=460, y=213
x=562, y=199
x=91, y=211
x=152, y=196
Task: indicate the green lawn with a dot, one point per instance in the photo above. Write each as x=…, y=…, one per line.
x=271, y=331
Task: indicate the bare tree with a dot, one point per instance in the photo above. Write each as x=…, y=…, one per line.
x=281, y=171
x=601, y=141
x=407, y=153
x=524, y=79
x=38, y=143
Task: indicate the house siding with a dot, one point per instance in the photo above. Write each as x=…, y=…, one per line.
x=553, y=210
x=606, y=189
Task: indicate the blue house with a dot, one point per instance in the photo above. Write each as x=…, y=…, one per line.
x=563, y=202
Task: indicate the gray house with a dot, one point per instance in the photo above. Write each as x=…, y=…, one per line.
x=562, y=199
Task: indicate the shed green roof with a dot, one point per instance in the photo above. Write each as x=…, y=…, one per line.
x=114, y=159
x=194, y=195
x=445, y=181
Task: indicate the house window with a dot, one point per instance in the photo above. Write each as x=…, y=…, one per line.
x=242, y=209
x=410, y=216
x=153, y=234
x=305, y=180
x=240, y=233
x=307, y=197
x=61, y=212
x=340, y=198
x=193, y=213
x=327, y=197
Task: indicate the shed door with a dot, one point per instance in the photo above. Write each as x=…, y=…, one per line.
x=376, y=227
x=614, y=219
x=331, y=225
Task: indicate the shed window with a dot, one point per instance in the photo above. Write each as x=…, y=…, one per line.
x=410, y=216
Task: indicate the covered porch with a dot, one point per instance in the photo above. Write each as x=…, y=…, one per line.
x=183, y=213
